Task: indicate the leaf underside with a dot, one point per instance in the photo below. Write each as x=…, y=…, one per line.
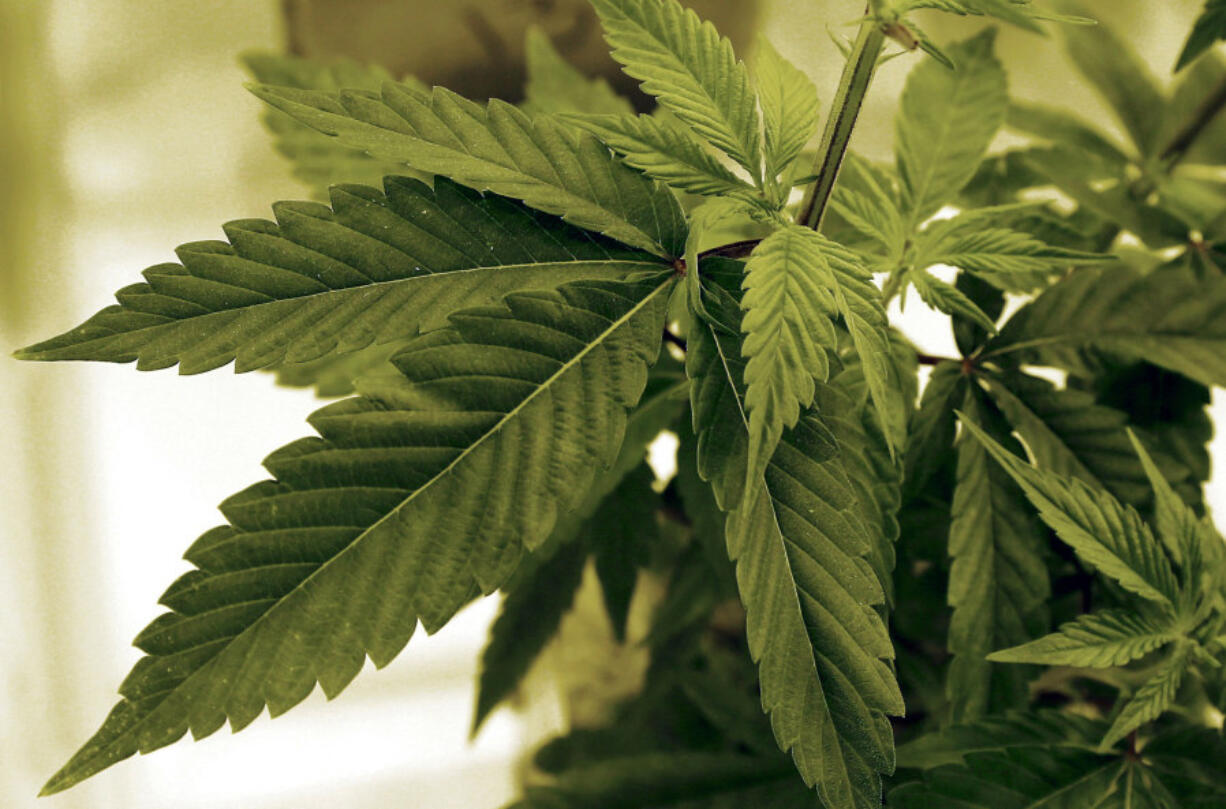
x=413, y=500
x=373, y=268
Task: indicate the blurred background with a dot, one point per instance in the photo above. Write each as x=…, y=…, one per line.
x=125, y=131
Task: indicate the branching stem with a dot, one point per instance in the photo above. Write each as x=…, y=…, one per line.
x=1204, y=115
x=853, y=86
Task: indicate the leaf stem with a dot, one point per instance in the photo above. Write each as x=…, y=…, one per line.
x=1187, y=135
x=853, y=86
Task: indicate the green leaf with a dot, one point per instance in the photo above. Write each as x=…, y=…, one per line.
x=1188, y=760
x=413, y=500
x=789, y=107
x=621, y=534
x=1059, y=126
x=801, y=551
x=1102, y=189
x=1043, y=728
x=543, y=589
x=1100, y=640
x=948, y=299
x=788, y=305
x=1071, y=435
x=932, y=430
x=993, y=252
x=865, y=198
x=945, y=124
x=527, y=620
x=664, y=779
x=998, y=577
x=1111, y=65
x=1103, y=533
x=336, y=375
x=1178, y=526
x=319, y=161
x=685, y=63
x=1018, y=12
x=1170, y=318
x=1210, y=27
x=498, y=148
x=554, y=86
x=372, y=269
x=1152, y=698
x=1025, y=778
x=665, y=151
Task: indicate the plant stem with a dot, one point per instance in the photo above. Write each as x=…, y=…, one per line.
x=1189, y=132
x=853, y=86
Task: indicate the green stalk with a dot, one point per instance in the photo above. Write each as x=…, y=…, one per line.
x=853, y=86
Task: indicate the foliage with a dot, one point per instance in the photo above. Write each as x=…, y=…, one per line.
x=1012, y=579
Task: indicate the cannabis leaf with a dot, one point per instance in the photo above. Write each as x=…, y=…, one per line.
x=414, y=499
x=543, y=589
x=948, y=299
x=1209, y=28
x=317, y=160
x=1015, y=729
x=667, y=152
x=1021, y=13
x=802, y=552
x=1101, y=640
x=946, y=122
x=374, y=268
x=1111, y=537
x=998, y=579
x=498, y=148
x=1152, y=698
x=690, y=68
x=1170, y=318
x=1026, y=777
x=994, y=253
x=788, y=306
x=789, y=107
x=554, y=86
x=1113, y=68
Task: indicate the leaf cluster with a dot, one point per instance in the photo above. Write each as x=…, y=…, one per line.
x=1012, y=577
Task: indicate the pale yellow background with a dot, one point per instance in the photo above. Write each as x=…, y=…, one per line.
x=124, y=131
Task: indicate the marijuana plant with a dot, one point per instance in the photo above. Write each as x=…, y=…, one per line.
x=521, y=298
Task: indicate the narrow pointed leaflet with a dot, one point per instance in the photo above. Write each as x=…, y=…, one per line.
x=373, y=268
x=414, y=499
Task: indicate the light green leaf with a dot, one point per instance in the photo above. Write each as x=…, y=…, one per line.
x=498, y=148
x=788, y=306
x=554, y=86
x=685, y=63
x=1103, y=533
x=1018, y=12
x=997, y=579
x=1059, y=126
x=1111, y=65
x=1100, y=640
x=1172, y=318
x=948, y=299
x=992, y=252
x=945, y=124
x=801, y=549
x=413, y=500
x=372, y=269
x=319, y=161
x=667, y=152
x=1153, y=698
x=865, y=198
x=789, y=107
